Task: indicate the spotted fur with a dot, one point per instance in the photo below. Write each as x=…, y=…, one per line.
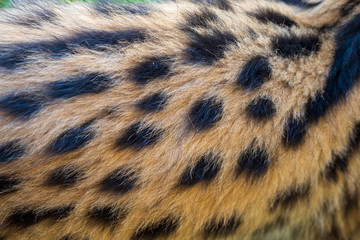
x=202, y=119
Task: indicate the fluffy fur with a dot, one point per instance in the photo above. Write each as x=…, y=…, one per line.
x=180, y=120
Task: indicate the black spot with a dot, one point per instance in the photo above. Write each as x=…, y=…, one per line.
x=261, y=109
x=290, y=197
x=108, y=8
x=205, y=170
x=151, y=69
x=350, y=203
x=72, y=237
x=11, y=56
x=200, y=19
x=294, y=132
x=254, y=162
x=36, y=19
x=340, y=162
x=205, y=113
x=8, y=184
x=153, y=103
x=223, y=227
x=354, y=141
x=98, y=39
x=252, y=34
x=25, y=218
x=11, y=151
x=107, y=214
x=138, y=136
x=68, y=237
x=120, y=181
x=271, y=16
x=162, y=228
x=64, y=176
x=72, y=139
x=22, y=105
x=79, y=85
x=221, y=4
x=254, y=73
x=296, y=46
x=344, y=72
x=57, y=213
x=301, y=3
x=208, y=48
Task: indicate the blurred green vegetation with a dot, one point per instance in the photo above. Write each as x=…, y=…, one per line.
x=5, y=3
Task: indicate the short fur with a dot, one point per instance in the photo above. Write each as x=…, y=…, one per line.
x=180, y=120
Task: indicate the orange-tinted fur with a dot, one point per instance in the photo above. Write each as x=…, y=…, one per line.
x=321, y=209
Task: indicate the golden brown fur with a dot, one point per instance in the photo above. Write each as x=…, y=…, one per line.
x=318, y=214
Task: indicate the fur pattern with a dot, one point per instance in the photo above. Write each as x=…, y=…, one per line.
x=180, y=120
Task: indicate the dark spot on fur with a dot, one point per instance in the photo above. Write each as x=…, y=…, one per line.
x=11, y=56
x=221, y=4
x=22, y=105
x=261, y=108
x=290, y=197
x=25, y=218
x=205, y=170
x=68, y=237
x=200, y=19
x=344, y=72
x=271, y=16
x=8, y=184
x=301, y=3
x=72, y=139
x=36, y=19
x=151, y=69
x=64, y=176
x=340, y=162
x=208, y=48
x=205, y=113
x=120, y=181
x=97, y=40
x=72, y=237
x=254, y=162
x=79, y=85
x=223, y=227
x=153, y=103
x=107, y=214
x=254, y=73
x=139, y=136
x=11, y=151
x=57, y=213
x=350, y=203
x=252, y=34
x=296, y=46
x=162, y=228
x=108, y=8
x=354, y=141
x=294, y=132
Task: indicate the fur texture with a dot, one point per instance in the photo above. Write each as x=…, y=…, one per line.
x=180, y=120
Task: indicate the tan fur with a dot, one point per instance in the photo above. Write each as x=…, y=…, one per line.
x=160, y=166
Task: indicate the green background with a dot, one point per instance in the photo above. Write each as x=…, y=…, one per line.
x=4, y=3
